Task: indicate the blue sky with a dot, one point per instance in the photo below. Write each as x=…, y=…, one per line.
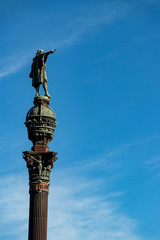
x=104, y=83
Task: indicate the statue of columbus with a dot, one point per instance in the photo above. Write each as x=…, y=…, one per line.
x=38, y=71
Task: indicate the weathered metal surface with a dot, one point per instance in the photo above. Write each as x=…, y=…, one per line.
x=39, y=166
x=41, y=122
x=41, y=111
x=38, y=71
x=39, y=187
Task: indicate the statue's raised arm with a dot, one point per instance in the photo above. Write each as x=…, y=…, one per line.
x=46, y=54
x=38, y=71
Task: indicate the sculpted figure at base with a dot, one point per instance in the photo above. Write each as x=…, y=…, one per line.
x=38, y=71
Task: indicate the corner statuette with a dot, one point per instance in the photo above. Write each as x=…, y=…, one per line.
x=38, y=71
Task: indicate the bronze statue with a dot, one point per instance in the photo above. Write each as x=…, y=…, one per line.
x=38, y=71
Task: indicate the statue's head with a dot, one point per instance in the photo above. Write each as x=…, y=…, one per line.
x=39, y=52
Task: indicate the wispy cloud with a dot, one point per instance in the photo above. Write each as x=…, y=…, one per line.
x=154, y=166
x=107, y=159
x=89, y=20
x=96, y=16
x=14, y=206
x=88, y=217
x=13, y=63
x=79, y=207
x=75, y=211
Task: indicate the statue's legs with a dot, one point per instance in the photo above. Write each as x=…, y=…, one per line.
x=37, y=91
x=45, y=89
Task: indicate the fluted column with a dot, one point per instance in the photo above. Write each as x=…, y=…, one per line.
x=38, y=216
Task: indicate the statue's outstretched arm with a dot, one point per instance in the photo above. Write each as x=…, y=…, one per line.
x=47, y=53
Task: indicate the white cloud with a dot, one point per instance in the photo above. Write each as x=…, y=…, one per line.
x=91, y=19
x=76, y=210
x=14, y=207
x=14, y=63
x=109, y=160
x=95, y=16
x=154, y=166
x=88, y=217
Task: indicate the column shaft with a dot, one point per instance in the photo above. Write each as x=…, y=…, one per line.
x=38, y=216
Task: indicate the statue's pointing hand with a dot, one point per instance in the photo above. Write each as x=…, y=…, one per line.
x=52, y=51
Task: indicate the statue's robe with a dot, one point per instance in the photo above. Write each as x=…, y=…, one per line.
x=38, y=71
